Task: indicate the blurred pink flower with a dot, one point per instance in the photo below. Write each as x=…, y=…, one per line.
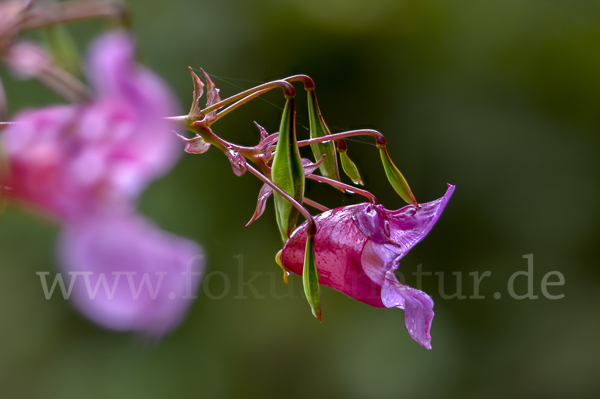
x=133, y=276
x=85, y=165
x=357, y=249
x=75, y=159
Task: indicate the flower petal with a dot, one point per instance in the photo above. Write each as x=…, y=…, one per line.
x=39, y=166
x=410, y=224
x=357, y=249
x=132, y=276
x=133, y=101
x=417, y=305
x=371, y=221
x=338, y=247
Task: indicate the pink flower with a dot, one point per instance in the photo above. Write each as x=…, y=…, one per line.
x=73, y=160
x=86, y=164
x=357, y=249
x=132, y=275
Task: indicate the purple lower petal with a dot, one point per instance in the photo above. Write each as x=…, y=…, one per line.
x=417, y=305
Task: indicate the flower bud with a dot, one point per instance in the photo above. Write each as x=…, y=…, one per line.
x=27, y=60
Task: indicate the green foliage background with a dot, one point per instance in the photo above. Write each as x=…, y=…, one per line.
x=498, y=97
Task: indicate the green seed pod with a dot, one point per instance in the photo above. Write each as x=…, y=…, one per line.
x=287, y=172
x=318, y=128
x=395, y=177
x=310, y=277
x=349, y=167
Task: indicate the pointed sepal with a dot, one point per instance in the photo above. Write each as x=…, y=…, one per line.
x=263, y=195
x=238, y=163
x=395, y=178
x=212, y=97
x=318, y=128
x=287, y=171
x=266, y=141
x=196, y=110
x=309, y=166
x=197, y=145
x=262, y=130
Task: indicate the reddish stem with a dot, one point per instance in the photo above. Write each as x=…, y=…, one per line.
x=380, y=139
x=314, y=204
x=241, y=102
x=309, y=84
x=312, y=227
x=343, y=186
x=288, y=91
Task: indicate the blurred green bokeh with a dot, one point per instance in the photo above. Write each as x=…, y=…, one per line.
x=498, y=97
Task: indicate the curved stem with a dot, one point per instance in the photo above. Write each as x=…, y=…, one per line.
x=343, y=186
x=314, y=204
x=208, y=136
x=183, y=122
x=380, y=139
x=309, y=84
x=241, y=102
x=312, y=227
x=288, y=91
